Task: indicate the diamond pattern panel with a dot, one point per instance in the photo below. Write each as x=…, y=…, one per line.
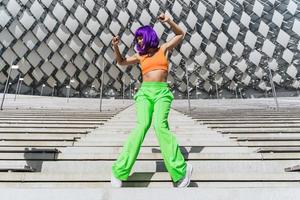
x=236, y=41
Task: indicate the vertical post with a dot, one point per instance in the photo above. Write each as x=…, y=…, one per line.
x=102, y=82
x=21, y=81
x=130, y=88
x=188, y=89
x=196, y=95
x=217, y=90
x=67, y=94
x=241, y=95
x=53, y=89
x=42, y=90
x=68, y=89
x=90, y=92
x=5, y=88
x=17, y=89
x=6, y=84
x=273, y=89
x=123, y=88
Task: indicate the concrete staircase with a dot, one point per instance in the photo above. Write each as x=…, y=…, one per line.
x=236, y=152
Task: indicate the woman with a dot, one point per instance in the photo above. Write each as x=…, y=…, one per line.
x=153, y=99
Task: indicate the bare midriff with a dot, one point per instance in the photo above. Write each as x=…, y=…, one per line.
x=157, y=75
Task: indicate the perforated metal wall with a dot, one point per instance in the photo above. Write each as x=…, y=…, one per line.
x=228, y=47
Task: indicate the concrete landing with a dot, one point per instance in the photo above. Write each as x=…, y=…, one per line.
x=151, y=194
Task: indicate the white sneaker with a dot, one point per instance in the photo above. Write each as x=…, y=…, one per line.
x=185, y=181
x=115, y=182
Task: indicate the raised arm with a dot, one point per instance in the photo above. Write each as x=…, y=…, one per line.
x=179, y=33
x=120, y=59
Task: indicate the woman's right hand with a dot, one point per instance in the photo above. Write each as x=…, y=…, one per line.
x=115, y=40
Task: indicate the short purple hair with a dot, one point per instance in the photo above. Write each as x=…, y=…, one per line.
x=150, y=39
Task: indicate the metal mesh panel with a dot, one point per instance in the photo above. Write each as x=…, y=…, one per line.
x=232, y=41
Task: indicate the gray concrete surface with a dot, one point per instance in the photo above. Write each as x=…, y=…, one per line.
x=225, y=160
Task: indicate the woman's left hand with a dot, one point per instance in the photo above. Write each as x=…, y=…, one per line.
x=163, y=18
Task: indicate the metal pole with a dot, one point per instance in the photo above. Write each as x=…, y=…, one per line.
x=21, y=81
x=67, y=94
x=217, y=91
x=188, y=91
x=241, y=95
x=196, y=96
x=68, y=91
x=123, y=88
x=53, y=89
x=17, y=89
x=42, y=89
x=5, y=88
x=130, y=89
x=69, y=88
x=101, y=89
x=273, y=89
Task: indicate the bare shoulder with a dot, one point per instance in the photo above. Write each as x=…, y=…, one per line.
x=164, y=48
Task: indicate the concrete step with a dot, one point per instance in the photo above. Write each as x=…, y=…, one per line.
x=265, y=138
x=259, y=130
x=12, y=122
x=36, y=136
x=182, y=142
x=236, y=135
x=151, y=194
x=54, y=119
x=287, y=149
x=227, y=119
x=59, y=117
x=163, y=185
x=234, y=126
x=152, y=136
x=50, y=126
x=43, y=130
x=251, y=122
x=200, y=166
x=147, y=177
x=177, y=131
x=146, y=156
x=43, y=139
x=190, y=142
x=117, y=149
x=142, y=156
x=43, y=143
x=243, y=114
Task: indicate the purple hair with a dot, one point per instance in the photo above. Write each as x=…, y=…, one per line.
x=150, y=39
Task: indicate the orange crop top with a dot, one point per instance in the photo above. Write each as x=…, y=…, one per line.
x=157, y=61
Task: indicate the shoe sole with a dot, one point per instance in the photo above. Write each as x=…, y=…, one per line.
x=190, y=175
x=190, y=171
x=115, y=186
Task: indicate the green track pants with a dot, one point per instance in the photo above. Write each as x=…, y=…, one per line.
x=153, y=99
